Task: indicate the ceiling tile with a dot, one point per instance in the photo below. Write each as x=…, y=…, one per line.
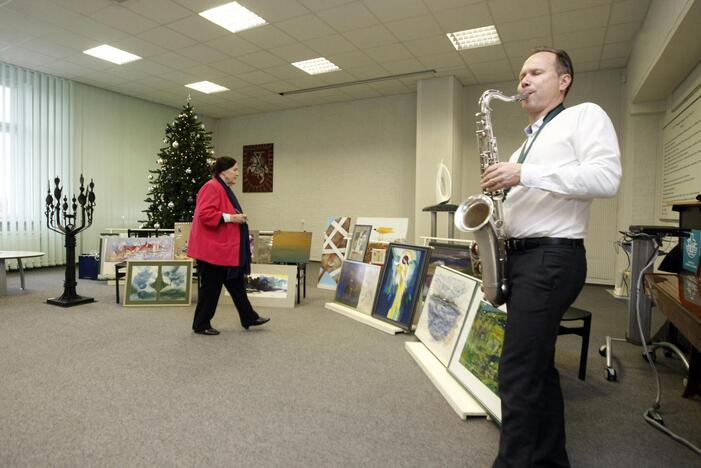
x=631, y=10
x=351, y=59
x=150, y=67
x=138, y=46
x=67, y=69
x=126, y=72
x=123, y=19
x=316, y=5
x=585, y=54
x=167, y=38
x=286, y=72
x=499, y=66
x=389, y=53
x=430, y=45
x=275, y=10
x=47, y=47
x=255, y=91
x=488, y=78
x=526, y=29
x=257, y=77
x=451, y=59
x=305, y=27
x=617, y=50
x=440, y=5
x=506, y=10
x=330, y=45
x=88, y=61
x=348, y=17
x=294, y=52
x=336, y=77
x=403, y=66
x=233, y=84
x=160, y=11
x=233, y=45
x=205, y=72
x=613, y=63
x=202, y=53
x=466, y=17
x=266, y=36
x=198, y=28
x=578, y=20
x=392, y=10
x=24, y=24
x=577, y=39
x=24, y=57
x=174, y=61
x=415, y=28
x=558, y=6
x=85, y=7
x=522, y=49
x=483, y=54
x=368, y=71
x=588, y=66
x=374, y=36
x=261, y=59
x=622, y=32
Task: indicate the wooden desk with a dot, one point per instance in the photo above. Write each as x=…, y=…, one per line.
x=19, y=255
x=677, y=296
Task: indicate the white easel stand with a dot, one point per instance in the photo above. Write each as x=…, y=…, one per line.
x=363, y=318
x=461, y=401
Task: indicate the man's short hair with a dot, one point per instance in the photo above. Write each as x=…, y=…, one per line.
x=563, y=62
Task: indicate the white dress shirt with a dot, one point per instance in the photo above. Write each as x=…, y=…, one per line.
x=575, y=159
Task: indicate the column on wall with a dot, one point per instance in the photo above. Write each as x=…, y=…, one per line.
x=438, y=138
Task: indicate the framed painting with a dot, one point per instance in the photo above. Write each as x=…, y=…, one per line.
x=291, y=247
x=444, y=311
x=263, y=247
x=158, y=283
x=269, y=286
x=119, y=249
x=359, y=242
x=475, y=359
x=454, y=256
x=387, y=229
x=181, y=236
x=399, y=288
x=258, y=168
x=350, y=283
x=375, y=253
x=369, y=288
x=333, y=251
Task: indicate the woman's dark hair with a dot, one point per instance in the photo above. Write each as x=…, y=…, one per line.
x=563, y=62
x=223, y=163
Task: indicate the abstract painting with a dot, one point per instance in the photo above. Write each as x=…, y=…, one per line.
x=333, y=251
x=387, y=229
x=359, y=242
x=369, y=288
x=158, y=283
x=291, y=246
x=350, y=283
x=269, y=286
x=119, y=249
x=181, y=236
x=263, y=247
x=400, y=284
x=454, y=256
x=444, y=311
x=475, y=360
x=258, y=168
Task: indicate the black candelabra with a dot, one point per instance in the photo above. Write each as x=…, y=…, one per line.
x=64, y=221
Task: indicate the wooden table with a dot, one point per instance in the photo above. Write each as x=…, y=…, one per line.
x=9, y=255
x=678, y=298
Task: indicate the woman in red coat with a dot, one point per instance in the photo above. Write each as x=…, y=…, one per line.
x=220, y=243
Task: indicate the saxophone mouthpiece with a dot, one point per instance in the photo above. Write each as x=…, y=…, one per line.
x=524, y=96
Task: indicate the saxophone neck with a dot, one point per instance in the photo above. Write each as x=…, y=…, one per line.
x=490, y=94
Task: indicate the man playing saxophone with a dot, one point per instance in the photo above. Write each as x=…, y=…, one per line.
x=570, y=157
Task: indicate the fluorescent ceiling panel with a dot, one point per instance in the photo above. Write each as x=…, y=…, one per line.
x=316, y=66
x=207, y=87
x=111, y=54
x=473, y=38
x=233, y=17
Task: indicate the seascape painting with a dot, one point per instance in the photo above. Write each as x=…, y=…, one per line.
x=158, y=283
x=119, y=249
x=333, y=251
x=400, y=284
x=267, y=285
x=291, y=246
x=444, y=311
x=454, y=256
x=368, y=289
x=475, y=360
x=350, y=283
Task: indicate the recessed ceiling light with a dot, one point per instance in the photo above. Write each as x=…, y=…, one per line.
x=111, y=54
x=316, y=66
x=233, y=17
x=473, y=38
x=207, y=87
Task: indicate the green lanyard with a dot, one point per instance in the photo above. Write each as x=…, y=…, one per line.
x=526, y=147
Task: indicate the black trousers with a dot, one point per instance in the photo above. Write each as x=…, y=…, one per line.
x=544, y=282
x=212, y=278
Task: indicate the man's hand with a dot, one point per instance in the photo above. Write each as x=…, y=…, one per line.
x=501, y=175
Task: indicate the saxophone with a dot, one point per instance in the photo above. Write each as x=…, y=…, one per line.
x=482, y=214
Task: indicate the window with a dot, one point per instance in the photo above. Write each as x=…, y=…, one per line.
x=5, y=149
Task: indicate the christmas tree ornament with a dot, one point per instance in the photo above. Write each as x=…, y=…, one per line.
x=171, y=205
x=160, y=161
x=157, y=226
x=175, y=144
x=150, y=177
x=188, y=171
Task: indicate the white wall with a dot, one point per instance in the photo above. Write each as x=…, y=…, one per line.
x=117, y=141
x=601, y=87
x=344, y=159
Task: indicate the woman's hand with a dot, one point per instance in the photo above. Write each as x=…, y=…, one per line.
x=238, y=218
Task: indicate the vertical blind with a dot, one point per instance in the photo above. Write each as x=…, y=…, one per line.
x=36, y=145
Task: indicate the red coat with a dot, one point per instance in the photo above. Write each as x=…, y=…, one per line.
x=211, y=239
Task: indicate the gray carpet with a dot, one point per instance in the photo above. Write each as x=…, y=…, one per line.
x=104, y=385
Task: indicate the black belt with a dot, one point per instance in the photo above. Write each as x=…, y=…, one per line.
x=514, y=245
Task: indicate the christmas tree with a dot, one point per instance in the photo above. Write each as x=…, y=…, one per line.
x=183, y=165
